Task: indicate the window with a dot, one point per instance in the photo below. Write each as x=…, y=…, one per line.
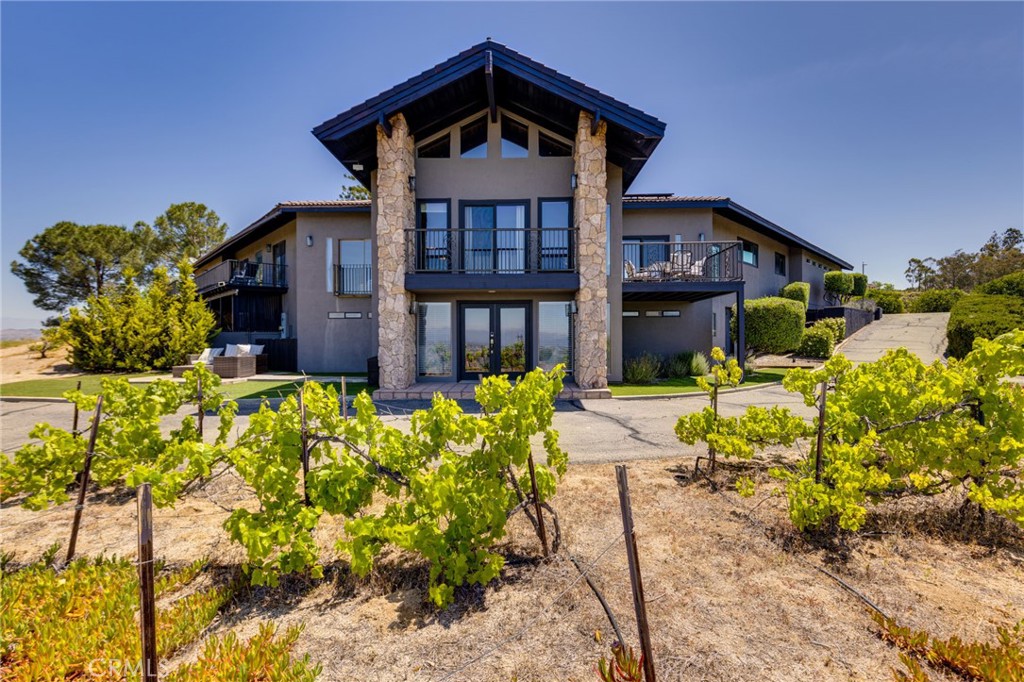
x=354, y=267
x=515, y=139
x=494, y=237
x=780, y=264
x=548, y=146
x=641, y=252
x=554, y=329
x=473, y=138
x=555, y=234
x=433, y=241
x=434, y=339
x=440, y=148
x=749, y=252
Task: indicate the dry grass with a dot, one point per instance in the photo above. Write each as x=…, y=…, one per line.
x=726, y=600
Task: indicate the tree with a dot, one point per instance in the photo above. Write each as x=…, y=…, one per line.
x=919, y=271
x=355, y=191
x=67, y=263
x=185, y=230
x=1001, y=255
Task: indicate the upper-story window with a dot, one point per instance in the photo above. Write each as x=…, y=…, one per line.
x=355, y=267
x=780, y=264
x=436, y=149
x=433, y=241
x=555, y=234
x=749, y=252
x=473, y=139
x=515, y=139
x=548, y=146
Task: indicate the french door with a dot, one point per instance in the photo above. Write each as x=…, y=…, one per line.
x=494, y=338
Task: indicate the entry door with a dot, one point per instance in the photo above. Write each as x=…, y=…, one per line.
x=493, y=339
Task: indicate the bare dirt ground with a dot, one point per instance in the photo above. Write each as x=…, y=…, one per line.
x=18, y=363
x=733, y=593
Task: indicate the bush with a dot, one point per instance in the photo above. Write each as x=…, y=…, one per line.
x=835, y=325
x=797, y=291
x=838, y=286
x=935, y=301
x=700, y=365
x=817, y=342
x=983, y=316
x=774, y=324
x=1008, y=285
x=860, y=284
x=679, y=365
x=889, y=300
x=643, y=369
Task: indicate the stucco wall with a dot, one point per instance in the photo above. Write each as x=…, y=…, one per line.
x=688, y=223
x=666, y=335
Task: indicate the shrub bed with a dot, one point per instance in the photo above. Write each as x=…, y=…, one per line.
x=818, y=342
x=1008, y=285
x=983, y=316
x=935, y=301
x=797, y=291
x=889, y=300
x=835, y=325
x=773, y=324
x=643, y=369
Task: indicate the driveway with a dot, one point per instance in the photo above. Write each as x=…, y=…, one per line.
x=923, y=334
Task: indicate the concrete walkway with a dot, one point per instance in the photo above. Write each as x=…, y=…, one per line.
x=923, y=334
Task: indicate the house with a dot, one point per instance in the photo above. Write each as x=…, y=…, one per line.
x=500, y=237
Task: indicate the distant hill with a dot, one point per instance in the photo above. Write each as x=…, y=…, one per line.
x=18, y=334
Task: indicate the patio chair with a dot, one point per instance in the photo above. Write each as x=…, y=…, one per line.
x=206, y=357
x=680, y=262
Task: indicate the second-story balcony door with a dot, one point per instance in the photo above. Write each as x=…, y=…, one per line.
x=494, y=237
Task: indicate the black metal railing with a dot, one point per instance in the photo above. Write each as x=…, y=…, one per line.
x=648, y=261
x=491, y=251
x=353, y=280
x=243, y=273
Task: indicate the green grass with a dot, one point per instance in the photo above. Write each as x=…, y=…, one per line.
x=54, y=388
x=689, y=384
x=280, y=389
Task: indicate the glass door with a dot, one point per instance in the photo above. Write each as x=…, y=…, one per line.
x=493, y=339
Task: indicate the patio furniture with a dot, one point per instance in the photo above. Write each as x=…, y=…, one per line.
x=206, y=357
x=235, y=367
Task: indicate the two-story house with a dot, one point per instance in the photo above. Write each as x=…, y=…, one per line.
x=500, y=237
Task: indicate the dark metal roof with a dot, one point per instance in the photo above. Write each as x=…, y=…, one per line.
x=727, y=208
x=282, y=214
x=458, y=87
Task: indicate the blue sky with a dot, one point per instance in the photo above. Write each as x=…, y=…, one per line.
x=880, y=131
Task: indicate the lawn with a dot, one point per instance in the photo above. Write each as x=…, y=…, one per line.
x=280, y=389
x=689, y=384
x=91, y=383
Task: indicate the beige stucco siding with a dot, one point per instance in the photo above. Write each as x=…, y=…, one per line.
x=666, y=336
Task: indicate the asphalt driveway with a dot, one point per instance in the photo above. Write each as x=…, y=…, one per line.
x=923, y=334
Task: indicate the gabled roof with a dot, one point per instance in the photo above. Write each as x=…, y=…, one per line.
x=485, y=76
x=728, y=208
x=282, y=214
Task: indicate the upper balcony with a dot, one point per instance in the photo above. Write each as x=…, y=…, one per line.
x=677, y=270
x=244, y=274
x=491, y=259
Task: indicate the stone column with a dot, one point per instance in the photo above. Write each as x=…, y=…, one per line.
x=396, y=212
x=589, y=209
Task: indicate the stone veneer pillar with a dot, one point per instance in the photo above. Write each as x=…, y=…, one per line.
x=396, y=212
x=590, y=201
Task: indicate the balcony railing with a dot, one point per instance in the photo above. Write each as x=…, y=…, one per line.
x=491, y=251
x=353, y=280
x=243, y=274
x=648, y=261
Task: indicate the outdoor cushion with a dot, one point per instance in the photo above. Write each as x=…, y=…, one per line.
x=205, y=356
x=231, y=351
x=243, y=349
x=216, y=353
x=256, y=349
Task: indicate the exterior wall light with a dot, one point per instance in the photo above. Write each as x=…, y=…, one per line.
x=309, y=240
x=412, y=183
x=572, y=181
x=270, y=248
x=412, y=307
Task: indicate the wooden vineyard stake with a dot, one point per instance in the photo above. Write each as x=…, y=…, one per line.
x=147, y=611
x=635, y=579
x=537, y=508
x=304, y=439
x=199, y=399
x=74, y=424
x=84, y=482
x=821, y=433
x=344, y=398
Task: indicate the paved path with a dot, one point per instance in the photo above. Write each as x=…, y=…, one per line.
x=924, y=334
x=600, y=430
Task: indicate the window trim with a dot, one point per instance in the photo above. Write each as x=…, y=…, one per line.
x=556, y=139
x=501, y=136
x=487, y=133
x=431, y=141
x=780, y=257
x=571, y=231
x=744, y=243
x=659, y=240
x=421, y=232
x=465, y=203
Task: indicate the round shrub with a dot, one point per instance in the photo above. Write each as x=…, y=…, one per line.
x=678, y=366
x=643, y=369
x=983, y=316
x=838, y=285
x=797, y=291
x=889, y=300
x=860, y=284
x=1008, y=285
x=699, y=365
x=774, y=324
x=817, y=342
x=835, y=325
x=935, y=301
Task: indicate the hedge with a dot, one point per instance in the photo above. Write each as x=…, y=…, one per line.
x=773, y=324
x=817, y=342
x=839, y=284
x=982, y=316
x=935, y=300
x=797, y=291
x=835, y=325
x=860, y=284
x=889, y=300
x=1008, y=285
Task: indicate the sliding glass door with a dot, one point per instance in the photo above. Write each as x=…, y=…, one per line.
x=494, y=237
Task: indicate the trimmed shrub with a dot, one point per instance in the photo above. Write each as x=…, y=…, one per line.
x=889, y=300
x=678, y=366
x=983, y=316
x=797, y=291
x=774, y=324
x=838, y=285
x=700, y=367
x=817, y=342
x=835, y=325
x=860, y=284
x=643, y=369
x=935, y=301
x=1007, y=285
